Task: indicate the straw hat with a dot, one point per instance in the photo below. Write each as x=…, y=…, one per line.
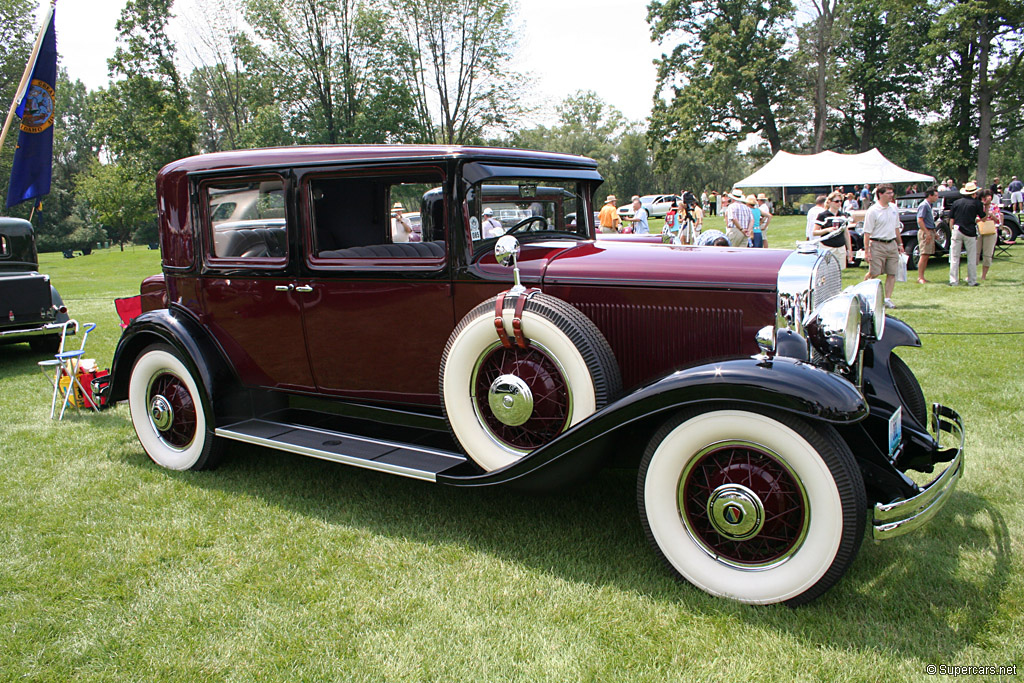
x=969, y=189
x=738, y=195
x=397, y=206
x=762, y=197
x=751, y=200
x=610, y=199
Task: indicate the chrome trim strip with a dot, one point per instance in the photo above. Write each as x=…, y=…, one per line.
x=227, y=433
x=902, y=516
x=34, y=331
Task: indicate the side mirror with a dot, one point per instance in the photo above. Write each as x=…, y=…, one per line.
x=506, y=250
x=506, y=253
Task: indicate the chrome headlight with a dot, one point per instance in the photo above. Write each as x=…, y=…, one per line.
x=834, y=328
x=872, y=307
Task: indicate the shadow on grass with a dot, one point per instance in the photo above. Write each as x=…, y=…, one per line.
x=922, y=595
x=19, y=360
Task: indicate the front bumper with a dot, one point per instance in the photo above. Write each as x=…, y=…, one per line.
x=903, y=516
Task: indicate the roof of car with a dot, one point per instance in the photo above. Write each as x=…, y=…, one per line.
x=15, y=227
x=322, y=154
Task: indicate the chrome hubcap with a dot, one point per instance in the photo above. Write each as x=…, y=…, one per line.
x=161, y=413
x=735, y=511
x=510, y=400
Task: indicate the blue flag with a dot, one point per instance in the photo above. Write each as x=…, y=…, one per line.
x=33, y=159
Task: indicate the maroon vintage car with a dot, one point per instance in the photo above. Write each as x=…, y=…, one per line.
x=763, y=407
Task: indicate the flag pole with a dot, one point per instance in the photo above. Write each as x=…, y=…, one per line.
x=27, y=76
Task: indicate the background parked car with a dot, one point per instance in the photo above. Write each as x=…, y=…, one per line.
x=30, y=308
x=657, y=205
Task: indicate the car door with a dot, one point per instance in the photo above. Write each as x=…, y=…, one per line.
x=377, y=308
x=247, y=285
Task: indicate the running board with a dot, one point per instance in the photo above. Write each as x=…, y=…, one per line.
x=407, y=460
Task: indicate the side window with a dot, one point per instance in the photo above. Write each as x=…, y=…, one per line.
x=378, y=218
x=3, y=245
x=247, y=219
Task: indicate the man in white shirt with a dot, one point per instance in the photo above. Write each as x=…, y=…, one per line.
x=492, y=226
x=812, y=215
x=883, y=244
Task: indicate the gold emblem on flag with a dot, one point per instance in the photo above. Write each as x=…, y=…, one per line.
x=38, y=107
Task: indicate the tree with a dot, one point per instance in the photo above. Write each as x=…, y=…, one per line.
x=730, y=73
x=880, y=76
x=120, y=198
x=456, y=58
x=326, y=62
x=820, y=40
x=978, y=52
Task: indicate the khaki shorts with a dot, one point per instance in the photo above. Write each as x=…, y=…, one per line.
x=885, y=257
x=926, y=242
x=987, y=247
x=736, y=237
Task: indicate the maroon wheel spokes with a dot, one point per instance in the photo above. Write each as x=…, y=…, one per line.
x=537, y=401
x=172, y=410
x=743, y=504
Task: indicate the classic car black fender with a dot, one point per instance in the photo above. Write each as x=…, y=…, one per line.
x=782, y=384
x=200, y=353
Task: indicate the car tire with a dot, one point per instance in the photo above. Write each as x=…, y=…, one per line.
x=1006, y=233
x=943, y=238
x=169, y=411
x=913, y=250
x=909, y=389
x=760, y=507
x=48, y=344
x=567, y=366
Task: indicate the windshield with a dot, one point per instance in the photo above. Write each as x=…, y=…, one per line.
x=908, y=203
x=536, y=206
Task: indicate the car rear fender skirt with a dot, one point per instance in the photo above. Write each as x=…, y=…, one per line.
x=180, y=329
x=782, y=384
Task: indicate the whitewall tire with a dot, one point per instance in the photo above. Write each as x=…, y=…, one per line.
x=501, y=403
x=168, y=412
x=760, y=508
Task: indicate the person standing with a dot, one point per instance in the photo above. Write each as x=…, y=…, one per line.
x=766, y=218
x=926, y=231
x=865, y=195
x=851, y=204
x=639, y=218
x=401, y=228
x=812, y=215
x=966, y=213
x=883, y=243
x=713, y=203
x=987, y=243
x=704, y=200
x=670, y=231
x=739, y=222
x=756, y=236
x=492, y=227
x=1016, y=192
x=832, y=232
x=608, y=219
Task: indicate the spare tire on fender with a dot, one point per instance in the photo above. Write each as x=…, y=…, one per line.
x=503, y=400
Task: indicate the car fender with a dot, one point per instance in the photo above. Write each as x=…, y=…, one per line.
x=200, y=353
x=783, y=384
x=58, y=304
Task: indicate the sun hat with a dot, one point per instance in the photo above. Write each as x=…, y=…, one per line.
x=610, y=199
x=488, y=211
x=751, y=200
x=969, y=189
x=397, y=206
x=763, y=196
x=738, y=195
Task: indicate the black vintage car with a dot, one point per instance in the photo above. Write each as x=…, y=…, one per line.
x=30, y=308
x=907, y=205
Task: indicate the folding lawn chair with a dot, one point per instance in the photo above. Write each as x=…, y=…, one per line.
x=128, y=308
x=66, y=363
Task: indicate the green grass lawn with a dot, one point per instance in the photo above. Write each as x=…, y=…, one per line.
x=278, y=567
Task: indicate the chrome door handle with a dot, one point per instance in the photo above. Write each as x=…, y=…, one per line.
x=284, y=288
x=303, y=288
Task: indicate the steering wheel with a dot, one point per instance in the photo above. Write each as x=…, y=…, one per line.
x=527, y=221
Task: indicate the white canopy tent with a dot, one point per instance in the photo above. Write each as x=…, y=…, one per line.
x=829, y=168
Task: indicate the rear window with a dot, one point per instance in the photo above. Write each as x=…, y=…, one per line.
x=247, y=219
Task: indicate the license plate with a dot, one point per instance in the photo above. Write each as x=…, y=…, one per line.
x=895, y=431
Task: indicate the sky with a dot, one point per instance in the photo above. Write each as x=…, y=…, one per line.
x=564, y=46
